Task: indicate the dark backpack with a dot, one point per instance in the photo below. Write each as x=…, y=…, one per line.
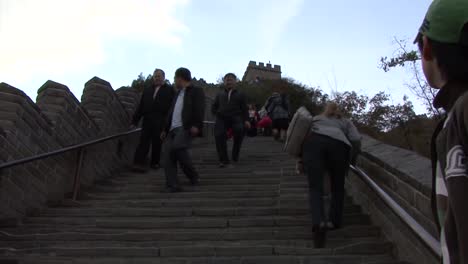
x=284, y=103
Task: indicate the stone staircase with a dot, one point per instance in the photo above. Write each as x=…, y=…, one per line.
x=256, y=212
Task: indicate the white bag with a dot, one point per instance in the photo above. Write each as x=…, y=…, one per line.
x=297, y=131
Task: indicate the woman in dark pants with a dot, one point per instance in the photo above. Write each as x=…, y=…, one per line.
x=327, y=150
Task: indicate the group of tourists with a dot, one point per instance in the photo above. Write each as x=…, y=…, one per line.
x=176, y=115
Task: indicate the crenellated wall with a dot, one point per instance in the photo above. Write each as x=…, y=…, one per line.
x=58, y=120
x=261, y=71
x=406, y=177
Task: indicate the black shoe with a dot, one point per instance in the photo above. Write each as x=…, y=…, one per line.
x=332, y=226
x=155, y=166
x=195, y=182
x=320, y=236
x=222, y=165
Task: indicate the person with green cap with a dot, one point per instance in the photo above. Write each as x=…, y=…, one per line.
x=443, y=43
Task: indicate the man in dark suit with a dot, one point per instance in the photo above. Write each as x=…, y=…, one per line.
x=153, y=109
x=231, y=111
x=185, y=121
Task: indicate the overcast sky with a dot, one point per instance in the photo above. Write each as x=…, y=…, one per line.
x=334, y=44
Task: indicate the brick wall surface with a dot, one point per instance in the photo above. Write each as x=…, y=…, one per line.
x=58, y=120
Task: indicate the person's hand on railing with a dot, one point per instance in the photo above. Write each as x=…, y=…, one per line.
x=132, y=127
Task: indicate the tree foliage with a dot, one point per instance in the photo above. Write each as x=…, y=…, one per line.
x=410, y=59
x=141, y=82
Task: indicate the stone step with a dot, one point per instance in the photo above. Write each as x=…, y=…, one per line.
x=173, y=212
x=203, y=251
x=219, y=250
x=159, y=180
x=256, y=212
x=191, y=194
x=211, y=183
x=206, y=181
x=214, y=174
x=173, y=203
x=331, y=243
x=187, y=194
x=176, y=203
x=202, y=188
x=340, y=259
x=181, y=234
x=186, y=222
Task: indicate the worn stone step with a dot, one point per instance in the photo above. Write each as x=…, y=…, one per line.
x=256, y=212
x=212, y=234
x=201, y=203
x=202, y=188
x=264, y=169
x=172, y=203
x=186, y=222
x=209, y=181
x=341, y=259
x=171, y=212
x=188, y=195
x=219, y=250
x=207, y=174
x=331, y=243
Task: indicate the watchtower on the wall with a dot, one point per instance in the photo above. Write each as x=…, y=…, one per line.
x=259, y=71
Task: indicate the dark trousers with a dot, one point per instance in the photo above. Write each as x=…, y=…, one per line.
x=150, y=137
x=322, y=154
x=221, y=127
x=176, y=152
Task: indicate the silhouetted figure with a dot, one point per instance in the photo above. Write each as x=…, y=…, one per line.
x=153, y=109
x=184, y=123
x=443, y=44
x=327, y=149
x=231, y=111
x=278, y=109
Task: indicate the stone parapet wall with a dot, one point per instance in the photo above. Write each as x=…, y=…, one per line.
x=406, y=177
x=59, y=120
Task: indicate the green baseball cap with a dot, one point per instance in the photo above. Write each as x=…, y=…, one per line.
x=444, y=22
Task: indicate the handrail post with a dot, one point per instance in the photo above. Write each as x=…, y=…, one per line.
x=77, y=178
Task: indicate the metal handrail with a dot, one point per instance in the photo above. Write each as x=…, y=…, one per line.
x=77, y=147
x=65, y=149
x=71, y=148
x=79, y=162
x=430, y=242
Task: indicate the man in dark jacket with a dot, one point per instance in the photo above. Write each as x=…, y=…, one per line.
x=185, y=121
x=153, y=109
x=443, y=44
x=231, y=111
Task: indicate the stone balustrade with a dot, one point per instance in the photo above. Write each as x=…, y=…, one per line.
x=406, y=177
x=58, y=120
